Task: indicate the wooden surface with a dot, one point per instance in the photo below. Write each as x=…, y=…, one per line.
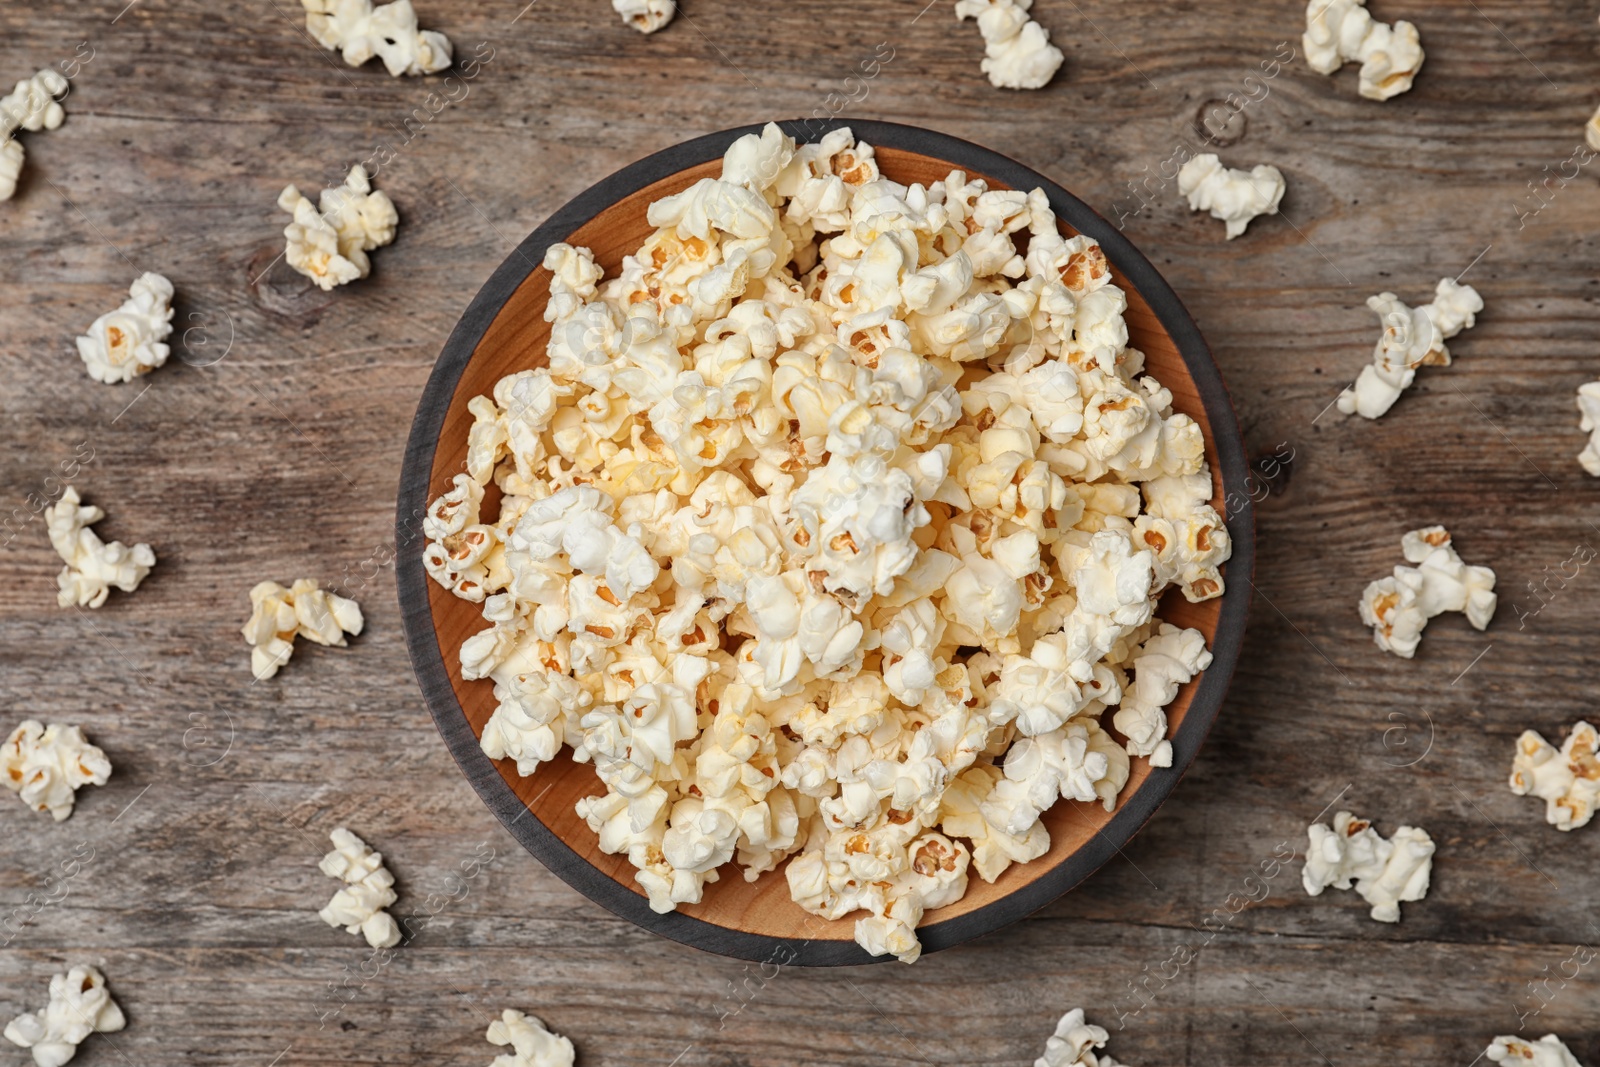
x=280, y=460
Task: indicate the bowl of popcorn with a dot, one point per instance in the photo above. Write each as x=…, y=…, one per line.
x=824, y=543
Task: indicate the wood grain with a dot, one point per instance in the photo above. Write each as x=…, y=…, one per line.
x=282, y=458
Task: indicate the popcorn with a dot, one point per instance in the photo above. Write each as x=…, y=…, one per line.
x=1341, y=30
x=47, y=766
x=1163, y=663
x=1073, y=1044
x=30, y=106
x=93, y=568
x=1548, y=1051
x=646, y=16
x=127, y=342
x=1591, y=131
x=1234, y=196
x=1567, y=781
x=829, y=534
x=79, y=1005
x=1589, y=423
x=532, y=1045
x=368, y=889
x=1412, y=337
x=330, y=245
x=279, y=615
x=1017, y=50
x=1397, y=608
x=360, y=31
x=1386, y=873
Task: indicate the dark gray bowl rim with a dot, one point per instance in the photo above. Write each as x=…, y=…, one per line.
x=422, y=642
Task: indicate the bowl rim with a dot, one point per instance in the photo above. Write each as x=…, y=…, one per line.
x=422, y=640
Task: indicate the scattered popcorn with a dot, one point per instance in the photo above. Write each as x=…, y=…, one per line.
x=360, y=31
x=30, y=106
x=80, y=1005
x=93, y=567
x=368, y=889
x=1397, y=608
x=279, y=615
x=1341, y=30
x=1234, y=196
x=1548, y=1051
x=330, y=246
x=1386, y=873
x=1073, y=1044
x=532, y=1045
x=646, y=16
x=129, y=341
x=1412, y=337
x=1017, y=50
x=831, y=535
x=1567, y=781
x=46, y=766
x=1589, y=423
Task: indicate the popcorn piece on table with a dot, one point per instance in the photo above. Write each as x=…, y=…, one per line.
x=330, y=245
x=1341, y=30
x=130, y=341
x=360, y=31
x=1548, y=1051
x=279, y=615
x=1397, y=608
x=80, y=1005
x=1386, y=873
x=1567, y=781
x=1234, y=196
x=531, y=1044
x=1412, y=338
x=820, y=438
x=1074, y=1043
x=1017, y=50
x=1591, y=131
x=646, y=16
x=1589, y=423
x=93, y=567
x=47, y=766
x=31, y=106
x=368, y=889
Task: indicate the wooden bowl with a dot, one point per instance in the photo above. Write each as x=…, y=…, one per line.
x=504, y=331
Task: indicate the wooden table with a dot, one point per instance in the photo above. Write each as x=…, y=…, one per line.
x=269, y=447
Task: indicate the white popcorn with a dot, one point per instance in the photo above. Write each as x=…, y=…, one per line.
x=79, y=1005
x=1412, y=338
x=1234, y=196
x=828, y=534
x=646, y=16
x=1548, y=1051
x=1591, y=131
x=129, y=341
x=1567, y=781
x=1017, y=50
x=1386, y=873
x=1589, y=423
x=359, y=31
x=1164, y=662
x=47, y=766
x=93, y=568
x=368, y=889
x=1074, y=1043
x=1338, y=31
x=1397, y=608
x=329, y=244
x=30, y=106
x=279, y=615
x=531, y=1044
